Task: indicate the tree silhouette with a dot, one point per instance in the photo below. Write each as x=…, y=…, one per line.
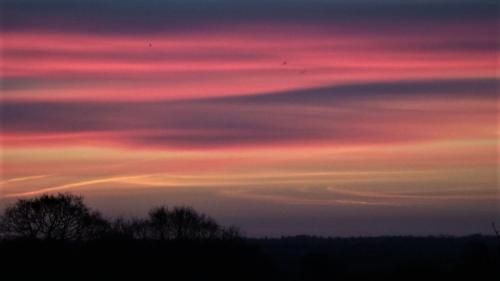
x=188, y=224
x=66, y=217
x=185, y=223
x=231, y=233
x=181, y=223
x=160, y=223
x=52, y=217
x=130, y=229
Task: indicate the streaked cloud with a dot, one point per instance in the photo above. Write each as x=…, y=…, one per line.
x=339, y=108
x=366, y=113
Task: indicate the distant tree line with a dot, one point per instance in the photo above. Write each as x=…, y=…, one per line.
x=66, y=217
x=56, y=236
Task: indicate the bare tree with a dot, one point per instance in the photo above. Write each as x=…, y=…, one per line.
x=160, y=223
x=66, y=217
x=231, y=233
x=185, y=223
x=52, y=217
x=140, y=229
x=497, y=234
x=131, y=228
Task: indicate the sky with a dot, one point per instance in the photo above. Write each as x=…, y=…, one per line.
x=283, y=117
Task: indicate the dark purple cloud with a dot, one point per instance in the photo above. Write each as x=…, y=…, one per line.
x=150, y=16
x=340, y=114
x=452, y=88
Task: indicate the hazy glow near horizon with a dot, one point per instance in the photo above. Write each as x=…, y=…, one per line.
x=382, y=122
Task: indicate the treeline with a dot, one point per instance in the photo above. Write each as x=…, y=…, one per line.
x=65, y=217
x=57, y=236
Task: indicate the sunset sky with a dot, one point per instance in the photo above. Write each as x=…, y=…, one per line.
x=280, y=116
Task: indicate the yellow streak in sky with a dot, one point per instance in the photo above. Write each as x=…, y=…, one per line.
x=300, y=201
x=24, y=179
x=73, y=185
x=385, y=195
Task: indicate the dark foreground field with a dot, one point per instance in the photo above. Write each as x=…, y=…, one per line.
x=294, y=258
